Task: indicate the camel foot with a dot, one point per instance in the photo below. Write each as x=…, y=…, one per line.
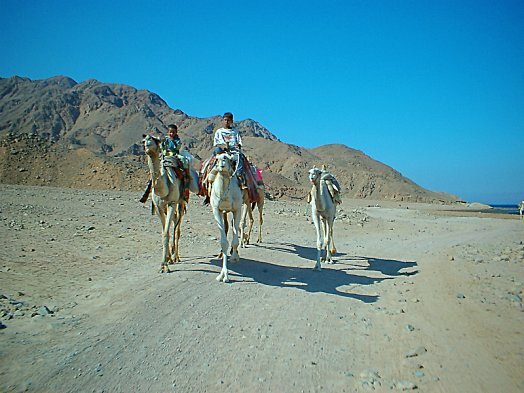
x=222, y=277
x=165, y=269
x=234, y=257
x=317, y=267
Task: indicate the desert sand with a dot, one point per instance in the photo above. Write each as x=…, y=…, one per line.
x=420, y=299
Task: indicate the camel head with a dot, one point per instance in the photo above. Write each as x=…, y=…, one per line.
x=314, y=175
x=151, y=144
x=224, y=164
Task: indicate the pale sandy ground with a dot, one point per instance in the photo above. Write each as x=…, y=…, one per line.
x=418, y=300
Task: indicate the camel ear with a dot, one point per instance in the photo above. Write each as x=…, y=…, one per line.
x=144, y=135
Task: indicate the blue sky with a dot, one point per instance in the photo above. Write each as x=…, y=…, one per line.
x=434, y=89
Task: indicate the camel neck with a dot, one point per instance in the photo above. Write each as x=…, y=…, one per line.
x=154, y=167
x=222, y=185
x=319, y=196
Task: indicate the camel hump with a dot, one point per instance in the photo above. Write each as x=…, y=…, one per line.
x=329, y=177
x=332, y=185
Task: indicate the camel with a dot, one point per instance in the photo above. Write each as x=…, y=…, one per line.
x=226, y=197
x=521, y=210
x=247, y=211
x=323, y=211
x=167, y=199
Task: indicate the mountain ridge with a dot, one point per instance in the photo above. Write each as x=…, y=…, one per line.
x=105, y=121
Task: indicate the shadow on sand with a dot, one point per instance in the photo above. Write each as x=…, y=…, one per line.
x=349, y=276
x=345, y=278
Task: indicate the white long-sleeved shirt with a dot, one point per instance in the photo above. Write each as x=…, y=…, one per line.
x=227, y=136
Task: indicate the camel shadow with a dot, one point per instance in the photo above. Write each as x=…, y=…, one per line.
x=388, y=267
x=349, y=276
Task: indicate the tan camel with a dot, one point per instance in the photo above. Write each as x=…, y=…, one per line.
x=323, y=211
x=247, y=211
x=167, y=198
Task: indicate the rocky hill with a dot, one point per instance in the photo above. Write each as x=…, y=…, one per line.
x=62, y=133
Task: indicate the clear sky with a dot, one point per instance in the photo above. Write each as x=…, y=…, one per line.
x=434, y=89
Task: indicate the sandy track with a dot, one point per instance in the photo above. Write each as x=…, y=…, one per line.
x=415, y=299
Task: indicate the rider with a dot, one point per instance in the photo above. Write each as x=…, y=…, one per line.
x=170, y=146
x=227, y=139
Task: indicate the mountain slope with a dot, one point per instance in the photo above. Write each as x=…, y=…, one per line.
x=100, y=125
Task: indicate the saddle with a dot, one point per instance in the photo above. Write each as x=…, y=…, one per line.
x=175, y=163
x=332, y=185
x=205, y=179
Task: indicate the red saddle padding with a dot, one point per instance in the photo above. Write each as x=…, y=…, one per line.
x=205, y=168
x=251, y=181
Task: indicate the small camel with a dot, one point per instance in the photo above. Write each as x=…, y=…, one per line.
x=226, y=197
x=167, y=198
x=521, y=210
x=323, y=211
x=247, y=211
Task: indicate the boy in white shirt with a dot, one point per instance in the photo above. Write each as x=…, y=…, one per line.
x=228, y=138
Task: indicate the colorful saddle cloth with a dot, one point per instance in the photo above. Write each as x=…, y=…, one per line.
x=249, y=176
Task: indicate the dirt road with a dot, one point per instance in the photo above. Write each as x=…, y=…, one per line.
x=416, y=301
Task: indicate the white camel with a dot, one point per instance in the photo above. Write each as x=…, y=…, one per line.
x=167, y=198
x=226, y=197
x=323, y=211
x=247, y=211
x=521, y=210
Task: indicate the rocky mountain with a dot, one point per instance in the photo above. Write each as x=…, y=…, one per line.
x=60, y=132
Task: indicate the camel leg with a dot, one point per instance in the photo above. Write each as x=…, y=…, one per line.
x=260, y=221
x=226, y=229
x=251, y=223
x=245, y=235
x=175, y=256
x=164, y=268
x=161, y=213
x=219, y=218
x=333, y=247
x=223, y=273
x=324, y=239
x=319, y=243
x=173, y=245
x=235, y=242
x=243, y=227
x=328, y=238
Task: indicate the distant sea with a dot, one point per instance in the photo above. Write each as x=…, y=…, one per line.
x=504, y=209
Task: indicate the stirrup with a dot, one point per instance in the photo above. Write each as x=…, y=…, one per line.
x=241, y=182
